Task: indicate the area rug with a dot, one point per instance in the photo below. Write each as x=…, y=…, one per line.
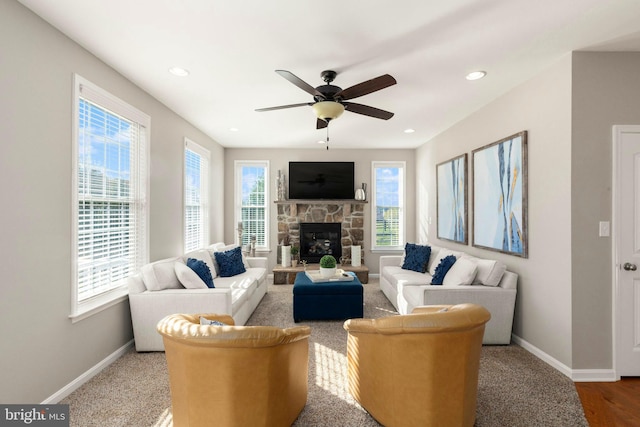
x=515, y=388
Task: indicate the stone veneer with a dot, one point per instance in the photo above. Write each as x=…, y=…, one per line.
x=349, y=214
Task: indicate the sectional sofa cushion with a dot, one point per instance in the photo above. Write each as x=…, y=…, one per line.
x=188, y=277
x=202, y=270
x=203, y=255
x=230, y=262
x=490, y=271
x=461, y=273
x=416, y=257
x=442, y=253
x=441, y=270
x=161, y=275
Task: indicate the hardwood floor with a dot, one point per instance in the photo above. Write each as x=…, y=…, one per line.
x=611, y=404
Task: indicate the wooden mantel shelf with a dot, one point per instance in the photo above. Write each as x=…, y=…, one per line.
x=320, y=202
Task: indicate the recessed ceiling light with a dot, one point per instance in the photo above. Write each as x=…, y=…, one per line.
x=409, y=130
x=234, y=129
x=321, y=142
x=475, y=75
x=180, y=72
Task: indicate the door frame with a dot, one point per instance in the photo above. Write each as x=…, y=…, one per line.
x=617, y=132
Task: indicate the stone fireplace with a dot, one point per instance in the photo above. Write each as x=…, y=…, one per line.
x=318, y=239
x=348, y=216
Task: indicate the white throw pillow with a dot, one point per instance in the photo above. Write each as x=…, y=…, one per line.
x=490, y=272
x=431, y=264
x=462, y=272
x=161, y=275
x=442, y=253
x=188, y=277
x=205, y=256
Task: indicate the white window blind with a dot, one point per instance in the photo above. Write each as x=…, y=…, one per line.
x=252, y=201
x=110, y=204
x=388, y=205
x=196, y=199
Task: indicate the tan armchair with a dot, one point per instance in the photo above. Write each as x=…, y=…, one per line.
x=418, y=369
x=234, y=375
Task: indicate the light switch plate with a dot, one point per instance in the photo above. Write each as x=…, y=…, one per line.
x=604, y=229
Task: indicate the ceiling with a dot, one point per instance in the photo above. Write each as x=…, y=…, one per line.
x=232, y=49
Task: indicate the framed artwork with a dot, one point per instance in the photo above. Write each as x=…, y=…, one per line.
x=451, y=185
x=500, y=195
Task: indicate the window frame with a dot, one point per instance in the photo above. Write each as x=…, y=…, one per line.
x=238, y=166
x=374, y=205
x=205, y=157
x=83, y=88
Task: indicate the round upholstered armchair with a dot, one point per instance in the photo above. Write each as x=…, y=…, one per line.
x=226, y=375
x=419, y=369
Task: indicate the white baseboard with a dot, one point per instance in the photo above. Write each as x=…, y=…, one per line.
x=576, y=375
x=92, y=372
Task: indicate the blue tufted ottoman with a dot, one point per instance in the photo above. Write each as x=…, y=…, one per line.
x=326, y=300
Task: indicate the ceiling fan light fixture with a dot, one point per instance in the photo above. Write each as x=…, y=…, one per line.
x=328, y=110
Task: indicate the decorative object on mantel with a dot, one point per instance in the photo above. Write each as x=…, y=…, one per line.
x=280, y=187
x=360, y=193
x=327, y=266
x=356, y=256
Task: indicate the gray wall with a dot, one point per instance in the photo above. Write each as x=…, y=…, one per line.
x=606, y=92
x=43, y=351
x=542, y=106
x=280, y=158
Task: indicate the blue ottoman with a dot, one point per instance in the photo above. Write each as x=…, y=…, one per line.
x=326, y=300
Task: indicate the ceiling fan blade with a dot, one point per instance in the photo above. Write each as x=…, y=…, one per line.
x=282, y=107
x=367, y=87
x=299, y=82
x=321, y=124
x=367, y=110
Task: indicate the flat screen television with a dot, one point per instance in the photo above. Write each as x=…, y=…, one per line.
x=321, y=180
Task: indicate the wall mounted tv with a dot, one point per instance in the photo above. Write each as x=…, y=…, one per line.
x=321, y=180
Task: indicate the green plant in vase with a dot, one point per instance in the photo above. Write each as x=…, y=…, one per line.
x=294, y=255
x=327, y=266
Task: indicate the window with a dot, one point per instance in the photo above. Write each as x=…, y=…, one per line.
x=251, y=201
x=196, y=200
x=110, y=190
x=388, y=205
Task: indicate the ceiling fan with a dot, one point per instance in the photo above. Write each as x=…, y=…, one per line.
x=330, y=101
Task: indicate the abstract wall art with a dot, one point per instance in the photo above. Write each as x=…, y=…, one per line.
x=451, y=177
x=500, y=195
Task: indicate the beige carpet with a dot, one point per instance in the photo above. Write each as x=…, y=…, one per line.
x=515, y=387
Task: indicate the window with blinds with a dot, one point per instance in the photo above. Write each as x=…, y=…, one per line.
x=110, y=196
x=196, y=199
x=251, y=201
x=388, y=205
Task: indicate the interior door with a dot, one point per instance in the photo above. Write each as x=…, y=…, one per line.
x=626, y=304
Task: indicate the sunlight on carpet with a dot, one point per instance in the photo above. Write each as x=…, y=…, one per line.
x=165, y=419
x=331, y=372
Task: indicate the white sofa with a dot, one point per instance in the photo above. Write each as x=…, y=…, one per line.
x=157, y=292
x=408, y=289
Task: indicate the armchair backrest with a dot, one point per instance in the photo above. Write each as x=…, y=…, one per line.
x=216, y=373
x=420, y=368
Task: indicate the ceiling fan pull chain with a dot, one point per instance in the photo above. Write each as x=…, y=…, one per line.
x=327, y=136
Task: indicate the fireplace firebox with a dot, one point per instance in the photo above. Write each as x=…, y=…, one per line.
x=318, y=239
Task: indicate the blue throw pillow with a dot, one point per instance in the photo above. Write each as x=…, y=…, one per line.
x=202, y=270
x=416, y=257
x=442, y=268
x=230, y=262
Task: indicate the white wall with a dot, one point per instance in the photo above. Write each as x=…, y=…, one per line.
x=280, y=158
x=42, y=350
x=541, y=106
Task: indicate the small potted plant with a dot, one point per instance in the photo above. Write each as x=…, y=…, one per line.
x=327, y=266
x=294, y=256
